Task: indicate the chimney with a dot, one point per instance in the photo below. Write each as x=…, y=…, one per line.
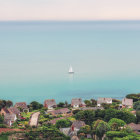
x=72, y=128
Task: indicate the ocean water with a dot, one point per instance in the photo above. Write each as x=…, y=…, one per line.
x=35, y=57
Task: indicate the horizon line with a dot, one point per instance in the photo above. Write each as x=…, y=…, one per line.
x=71, y=20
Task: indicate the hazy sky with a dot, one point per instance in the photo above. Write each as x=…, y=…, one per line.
x=69, y=9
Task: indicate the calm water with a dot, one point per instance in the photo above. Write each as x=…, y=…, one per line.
x=35, y=58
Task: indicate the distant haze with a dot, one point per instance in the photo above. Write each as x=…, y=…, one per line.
x=69, y=9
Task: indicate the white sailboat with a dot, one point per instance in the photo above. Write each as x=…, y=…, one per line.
x=71, y=70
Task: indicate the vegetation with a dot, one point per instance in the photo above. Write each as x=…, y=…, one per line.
x=63, y=123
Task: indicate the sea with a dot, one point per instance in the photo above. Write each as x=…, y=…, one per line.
x=35, y=57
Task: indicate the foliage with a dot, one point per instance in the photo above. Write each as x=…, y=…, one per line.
x=4, y=103
x=61, y=104
x=35, y=105
x=115, y=124
x=112, y=134
x=3, y=126
x=85, y=129
x=87, y=116
x=1, y=119
x=100, y=128
x=135, y=97
x=137, y=105
x=138, y=115
x=75, y=111
x=62, y=123
x=125, y=116
x=116, y=101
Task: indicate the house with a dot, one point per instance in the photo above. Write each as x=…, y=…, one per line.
x=22, y=106
x=127, y=103
x=50, y=103
x=14, y=110
x=9, y=119
x=62, y=111
x=77, y=102
x=100, y=101
x=70, y=131
x=135, y=127
x=4, y=111
x=74, y=138
x=78, y=124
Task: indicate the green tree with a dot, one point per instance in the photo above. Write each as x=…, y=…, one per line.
x=85, y=129
x=35, y=105
x=87, y=102
x=9, y=103
x=116, y=124
x=135, y=97
x=100, y=128
x=137, y=105
x=138, y=115
x=62, y=123
x=61, y=104
x=1, y=119
x=93, y=102
x=88, y=116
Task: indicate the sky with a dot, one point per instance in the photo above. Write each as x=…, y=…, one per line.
x=69, y=10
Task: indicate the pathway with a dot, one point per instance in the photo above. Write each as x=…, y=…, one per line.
x=34, y=119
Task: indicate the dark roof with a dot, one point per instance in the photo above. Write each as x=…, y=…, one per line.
x=127, y=101
x=5, y=110
x=14, y=110
x=76, y=101
x=21, y=104
x=60, y=111
x=50, y=102
x=78, y=124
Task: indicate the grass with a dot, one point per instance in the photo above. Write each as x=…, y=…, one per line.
x=3, y=137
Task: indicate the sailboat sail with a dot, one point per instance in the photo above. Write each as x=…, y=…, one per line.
x=71, y=70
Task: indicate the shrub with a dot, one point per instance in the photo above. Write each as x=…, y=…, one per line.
x=3, y=126
x=112, y=134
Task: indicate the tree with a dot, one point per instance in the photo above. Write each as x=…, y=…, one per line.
x=135, y=97
x=138, y=115
x=116, y=124
x=1, y=119
x=100, y=128
x=61, y=104
x=9, y=103
x=87, y=102
x=63, y=123
x=93, y=102
x=136, y=105
x=35, y=105
x=88, y=116
x=85, y=129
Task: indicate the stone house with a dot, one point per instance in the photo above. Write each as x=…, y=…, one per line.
x=50, y=104
x=127, y=103
x=22, y=106
x=100, y=101
x=77, y=102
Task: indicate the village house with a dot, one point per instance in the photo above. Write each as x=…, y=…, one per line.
x=62, y=111
x=22, y=106
x=50, y=104
x=14, y=110
x=72, y=131
x=77, y=102
x=100, y=101
x=9, y=119
x=127, y=103
x=4, y=111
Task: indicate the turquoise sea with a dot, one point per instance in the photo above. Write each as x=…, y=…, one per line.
x=35, y=57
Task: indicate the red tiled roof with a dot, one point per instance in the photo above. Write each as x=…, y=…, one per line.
x=60, y=111
x=23, y=105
